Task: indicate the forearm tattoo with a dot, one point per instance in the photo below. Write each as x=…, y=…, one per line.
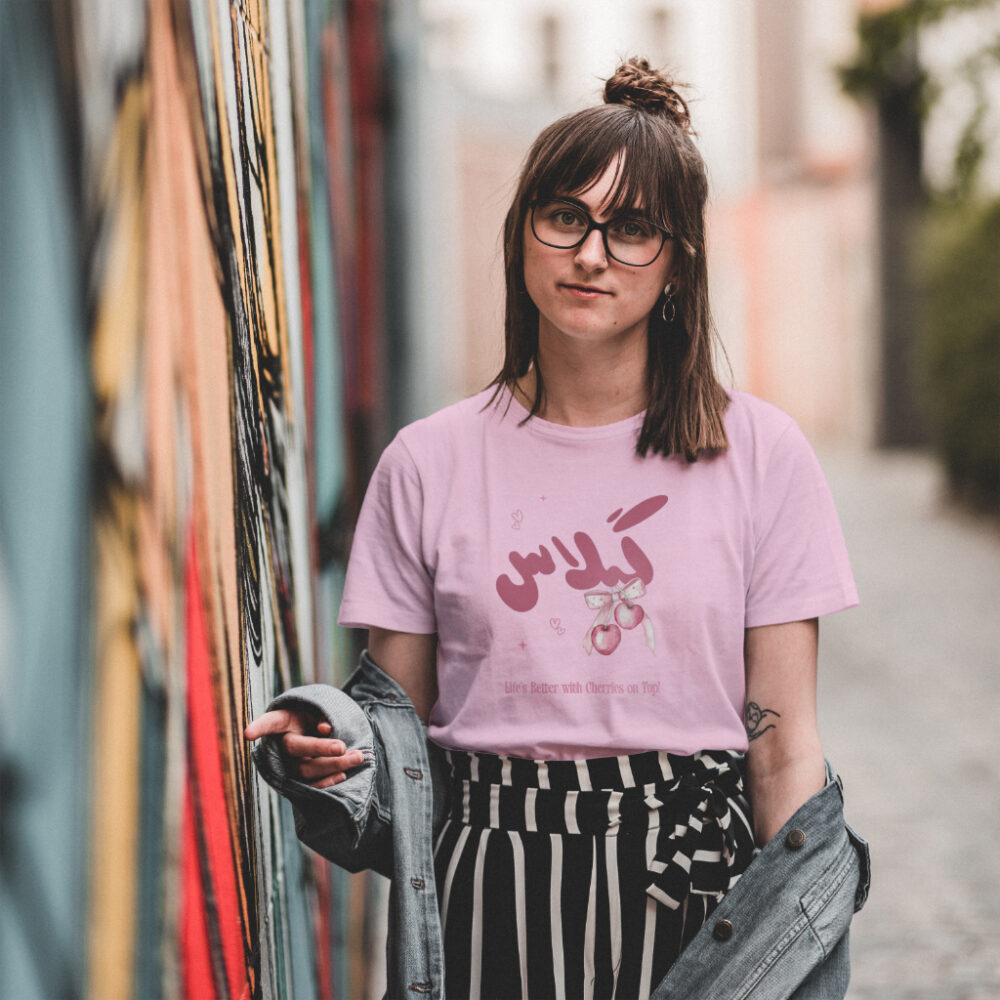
x=756, y=721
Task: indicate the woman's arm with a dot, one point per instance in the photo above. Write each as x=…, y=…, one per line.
x=785, y=760
x=410, y=659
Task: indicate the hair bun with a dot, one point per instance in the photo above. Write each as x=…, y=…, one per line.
x=637, y=85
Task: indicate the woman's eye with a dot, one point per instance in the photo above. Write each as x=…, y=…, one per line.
x=566, y=217
x=633, y=229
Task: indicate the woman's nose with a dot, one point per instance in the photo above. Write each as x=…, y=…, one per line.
x=590, y=254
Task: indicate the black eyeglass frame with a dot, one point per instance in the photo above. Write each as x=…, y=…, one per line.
x=601, y=227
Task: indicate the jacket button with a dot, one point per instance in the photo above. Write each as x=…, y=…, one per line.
x=417, y=883
x=723, y=930
x=414, y=772
x=795, y=839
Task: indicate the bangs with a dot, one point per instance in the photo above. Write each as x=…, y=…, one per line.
x=577, y=153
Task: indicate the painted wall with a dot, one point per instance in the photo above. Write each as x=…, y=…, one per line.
x=211, y=386
x=45, y=666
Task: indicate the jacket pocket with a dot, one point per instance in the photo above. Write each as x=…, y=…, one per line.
x=864, y=854
x=829, y=903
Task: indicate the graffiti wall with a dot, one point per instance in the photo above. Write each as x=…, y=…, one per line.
x=227, y=166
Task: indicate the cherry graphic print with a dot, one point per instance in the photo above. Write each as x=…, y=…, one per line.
x=606, y=638
x=629, y=615
x=621, y=606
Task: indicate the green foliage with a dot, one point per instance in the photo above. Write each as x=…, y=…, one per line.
x=960, y=266
x=969, y=154
x=886, y=66
x=971, y=147
x=884, y=61
x=960, y=345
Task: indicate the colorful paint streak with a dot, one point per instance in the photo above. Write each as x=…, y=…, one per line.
x=232, y=157
x=45, y=672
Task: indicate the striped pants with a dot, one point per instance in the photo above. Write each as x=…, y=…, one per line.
x=587, y=878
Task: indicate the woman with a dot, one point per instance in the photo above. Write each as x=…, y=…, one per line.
x=598, y=583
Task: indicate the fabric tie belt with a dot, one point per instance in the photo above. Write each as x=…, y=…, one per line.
x=692, y=809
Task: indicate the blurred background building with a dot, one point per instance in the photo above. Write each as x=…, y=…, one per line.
x=811, y=228
x=789, y=156
x=242, y=242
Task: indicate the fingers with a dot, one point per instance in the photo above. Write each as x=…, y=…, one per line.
x=334, y=779
x=312, y=769
x=278, y=721
x=296, y=745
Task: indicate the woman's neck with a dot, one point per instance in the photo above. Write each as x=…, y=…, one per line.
x=589, y=385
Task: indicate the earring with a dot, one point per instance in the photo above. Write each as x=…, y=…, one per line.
x=669, y=300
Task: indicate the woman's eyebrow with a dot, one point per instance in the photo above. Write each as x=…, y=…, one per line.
x=631, y=213
x=570, y=200
x=618, y=213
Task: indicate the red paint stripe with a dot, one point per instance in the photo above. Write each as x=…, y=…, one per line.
x=323, y=927
x=217, y=840
x=364, y=30
x=196, y=963
x=306, y=288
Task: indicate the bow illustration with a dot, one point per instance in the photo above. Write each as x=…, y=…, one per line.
x=608, y=603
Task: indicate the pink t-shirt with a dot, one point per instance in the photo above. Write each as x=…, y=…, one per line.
x=589, y=602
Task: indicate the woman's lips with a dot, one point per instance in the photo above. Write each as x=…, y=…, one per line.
x=584, y=291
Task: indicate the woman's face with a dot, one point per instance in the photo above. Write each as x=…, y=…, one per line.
x=584, y=294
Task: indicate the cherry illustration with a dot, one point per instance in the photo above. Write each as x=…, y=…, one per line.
x=628, y=616
x=606, y=638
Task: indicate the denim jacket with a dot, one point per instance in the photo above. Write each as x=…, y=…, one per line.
x=807, y=881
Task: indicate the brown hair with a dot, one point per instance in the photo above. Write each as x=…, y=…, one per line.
x=645, y=123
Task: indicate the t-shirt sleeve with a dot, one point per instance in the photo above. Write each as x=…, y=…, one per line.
x=389, y=584
x=800, y=567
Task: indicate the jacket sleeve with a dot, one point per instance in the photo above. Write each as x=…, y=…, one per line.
x=347, y=823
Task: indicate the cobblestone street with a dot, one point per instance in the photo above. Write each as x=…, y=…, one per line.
x=909, y=697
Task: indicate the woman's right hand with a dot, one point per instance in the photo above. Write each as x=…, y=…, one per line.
x=311, y=752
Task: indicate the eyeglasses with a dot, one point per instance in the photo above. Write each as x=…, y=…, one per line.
x=629, y=240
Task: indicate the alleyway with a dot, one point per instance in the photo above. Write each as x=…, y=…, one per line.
x=909, y=698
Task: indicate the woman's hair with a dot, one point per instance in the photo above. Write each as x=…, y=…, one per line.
x=644, y=126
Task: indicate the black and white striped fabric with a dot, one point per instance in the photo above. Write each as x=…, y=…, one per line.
x=584, y=878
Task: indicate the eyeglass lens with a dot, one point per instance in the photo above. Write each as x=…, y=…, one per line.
x=629, y=240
